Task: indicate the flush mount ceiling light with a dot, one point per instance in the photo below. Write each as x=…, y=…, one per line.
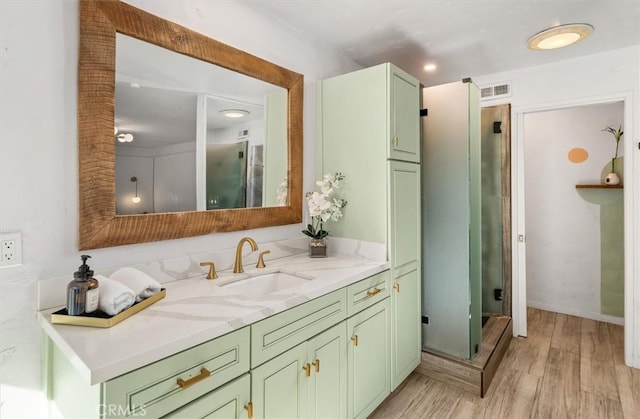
x=430, y=67
x=234, y=113
x=560, y=36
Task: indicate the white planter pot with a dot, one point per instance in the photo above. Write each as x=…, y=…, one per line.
x=612, y=179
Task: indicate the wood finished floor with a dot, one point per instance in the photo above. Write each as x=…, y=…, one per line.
x=568, y=367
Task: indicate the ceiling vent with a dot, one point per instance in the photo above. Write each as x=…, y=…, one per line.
x=495, y=91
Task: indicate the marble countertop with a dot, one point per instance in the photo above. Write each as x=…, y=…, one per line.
x=197, y=310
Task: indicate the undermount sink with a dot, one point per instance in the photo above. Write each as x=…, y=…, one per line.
x=267, y=283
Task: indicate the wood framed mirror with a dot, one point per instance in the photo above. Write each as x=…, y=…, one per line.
x=99, y=224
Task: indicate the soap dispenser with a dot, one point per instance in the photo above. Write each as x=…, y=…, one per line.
x=82, y=292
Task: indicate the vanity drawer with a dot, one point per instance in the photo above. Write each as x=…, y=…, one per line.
x=367, y=292
x=161, y=387
x=278, y=333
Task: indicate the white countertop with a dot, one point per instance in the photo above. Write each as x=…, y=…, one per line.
x=197, y=310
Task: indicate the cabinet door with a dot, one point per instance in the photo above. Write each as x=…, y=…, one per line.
x=404, y=247
x=368, y=359
x=227, y=402
x=279, y=386
x=404, y=209
x=405, y=116
x=406, y=339
x=327, y=354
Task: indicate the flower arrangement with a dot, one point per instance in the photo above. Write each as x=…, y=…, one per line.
x=323, y=207
x=617, y=133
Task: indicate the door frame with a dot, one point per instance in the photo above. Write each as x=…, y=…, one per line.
x=631, y=206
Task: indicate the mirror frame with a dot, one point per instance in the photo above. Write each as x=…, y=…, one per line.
x=99, y=226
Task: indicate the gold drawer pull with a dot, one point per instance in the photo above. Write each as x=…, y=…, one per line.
x=307, y=369
x=204, y=373
x=373, y=292
x=316, y=364
x=397, y=287
x=249, y=408
x=354, y=339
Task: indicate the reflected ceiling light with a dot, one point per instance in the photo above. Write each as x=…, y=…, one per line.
x=430, y=67
x=125, y=138
x=234, y=113
x=136, y=198
x=560, y=36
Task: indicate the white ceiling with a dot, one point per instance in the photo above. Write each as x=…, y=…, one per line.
x=464, y=38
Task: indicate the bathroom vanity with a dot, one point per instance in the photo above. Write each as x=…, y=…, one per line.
x=319, y=348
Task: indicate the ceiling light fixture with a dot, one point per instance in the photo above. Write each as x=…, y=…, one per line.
x=430, y=67
x=124, y=138
x=560, y=36
x=234, y=113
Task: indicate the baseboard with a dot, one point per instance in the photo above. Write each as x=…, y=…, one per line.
x=576, y=312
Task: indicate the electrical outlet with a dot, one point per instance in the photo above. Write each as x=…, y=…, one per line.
x=10, y=249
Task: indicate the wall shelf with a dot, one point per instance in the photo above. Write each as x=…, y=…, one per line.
x=599, y=186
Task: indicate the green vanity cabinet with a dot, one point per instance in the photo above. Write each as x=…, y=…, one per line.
x=307, y=381
x=368, y=359
x=329, y=357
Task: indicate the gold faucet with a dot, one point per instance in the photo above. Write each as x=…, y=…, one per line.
x=212, y=270
x=237, y=267
x=260, y=263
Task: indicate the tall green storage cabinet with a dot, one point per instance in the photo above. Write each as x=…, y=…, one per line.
x=369, y=129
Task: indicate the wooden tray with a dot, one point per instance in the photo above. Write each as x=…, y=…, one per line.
x=101, y=319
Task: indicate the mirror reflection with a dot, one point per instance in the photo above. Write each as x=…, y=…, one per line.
x=194, y=135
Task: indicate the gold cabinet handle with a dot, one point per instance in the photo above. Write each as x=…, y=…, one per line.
x=397, y=287
x=395, y=141
x=260, y=263
x=249, y=408
x=371, y=293
x=204, y=373
x=316, y=364
x=354, y=339
x=307, y=369
x=212, y=270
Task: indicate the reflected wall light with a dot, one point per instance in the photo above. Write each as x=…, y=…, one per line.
x=136, y=198
x=560, y=36
x=124, y=138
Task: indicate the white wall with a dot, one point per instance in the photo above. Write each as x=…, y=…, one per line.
x=595, y=78
x=563, y=229
x=38, y=156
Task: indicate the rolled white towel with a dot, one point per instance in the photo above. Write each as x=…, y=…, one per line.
x=142, y=285
x=114, y=296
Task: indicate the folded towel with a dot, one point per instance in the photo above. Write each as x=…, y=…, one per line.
x=142, y=285
x=114, y=296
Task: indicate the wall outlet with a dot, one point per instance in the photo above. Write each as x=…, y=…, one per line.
x=10, y=249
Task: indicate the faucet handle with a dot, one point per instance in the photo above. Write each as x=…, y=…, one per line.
x=212, y=270
x=260, y=263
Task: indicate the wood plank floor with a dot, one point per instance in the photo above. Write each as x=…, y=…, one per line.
x=568, y=367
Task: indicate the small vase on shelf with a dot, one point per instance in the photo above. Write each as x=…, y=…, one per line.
x=318, y=248
x=612, y=179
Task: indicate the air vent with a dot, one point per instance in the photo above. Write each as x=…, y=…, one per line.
x=495, y=91
x=243, y=133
